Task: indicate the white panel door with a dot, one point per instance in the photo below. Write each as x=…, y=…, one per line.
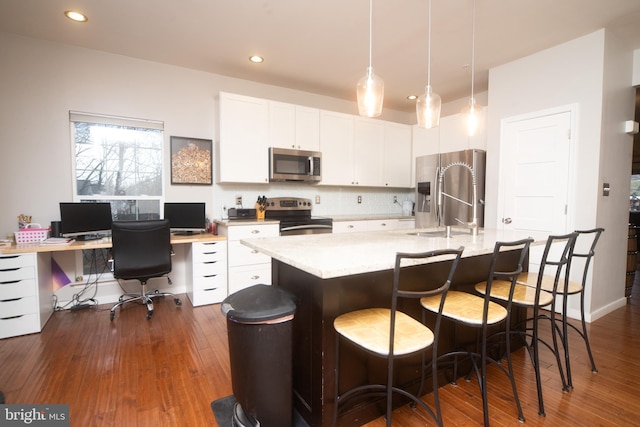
x=535, y=173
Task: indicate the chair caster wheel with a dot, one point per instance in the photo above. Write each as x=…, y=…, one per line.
x=149, y=314
x=178, y=301
x=112, y=315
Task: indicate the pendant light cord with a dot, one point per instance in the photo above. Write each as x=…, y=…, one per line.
x=473, y=46
x=370, y=30
x=429, y=49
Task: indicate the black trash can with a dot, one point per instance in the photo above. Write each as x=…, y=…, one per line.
x=259, y=328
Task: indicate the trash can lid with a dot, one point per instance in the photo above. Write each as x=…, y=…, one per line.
x=258, y=304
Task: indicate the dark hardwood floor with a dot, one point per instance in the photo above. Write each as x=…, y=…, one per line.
x=166, y=371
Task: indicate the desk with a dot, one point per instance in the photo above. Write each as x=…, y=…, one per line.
x=26, y=288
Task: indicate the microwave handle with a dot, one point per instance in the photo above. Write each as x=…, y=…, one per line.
x=310, y=160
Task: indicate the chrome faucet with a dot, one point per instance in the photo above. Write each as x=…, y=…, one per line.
x=473, y=225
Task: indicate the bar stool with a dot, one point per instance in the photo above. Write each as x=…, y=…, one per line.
x=533, y=297
x=480, y=312
x=566, y=288
x=389, y=333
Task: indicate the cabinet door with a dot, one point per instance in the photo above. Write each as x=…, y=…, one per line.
x=307, y=128
x=396, y=157
x=282, y=125
x=336, y=145
x=369, y=139
x=242, y=149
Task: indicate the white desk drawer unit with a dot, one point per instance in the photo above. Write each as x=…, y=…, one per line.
x=207, y=265
x=248, y=267
x=21, y=310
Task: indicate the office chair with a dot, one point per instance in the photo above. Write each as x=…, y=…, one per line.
x=141, y=250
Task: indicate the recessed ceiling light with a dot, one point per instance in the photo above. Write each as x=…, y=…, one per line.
x=412, y=97
x=256, y=59
x=75, y=16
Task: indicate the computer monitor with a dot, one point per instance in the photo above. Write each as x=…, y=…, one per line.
x=185, y=218
x=85, y=220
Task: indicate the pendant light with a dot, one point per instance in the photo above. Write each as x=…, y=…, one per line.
x=470, y=112
x=428, y=105
x=370, y=88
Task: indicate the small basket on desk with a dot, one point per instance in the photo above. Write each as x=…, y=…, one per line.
x=32, y=233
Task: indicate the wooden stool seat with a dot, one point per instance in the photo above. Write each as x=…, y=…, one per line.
x=524, y=295
x=466, y=308
x=369, y=328
x=531, y=279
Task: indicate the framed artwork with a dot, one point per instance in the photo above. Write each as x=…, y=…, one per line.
x=191, y=161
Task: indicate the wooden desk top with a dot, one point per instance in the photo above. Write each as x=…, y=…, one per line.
x=102, y=243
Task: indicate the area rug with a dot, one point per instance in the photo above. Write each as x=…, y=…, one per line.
x=223, y=412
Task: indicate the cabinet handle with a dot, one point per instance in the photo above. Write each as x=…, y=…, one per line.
x=383, y=224
x=255, y=277
x=210, y=289
x=210, y=275
x=349, y=226
x=10, y=269
x=210, y=262
x=254, y=251
x=209, y=253
x=255, y=231
x=9, y=282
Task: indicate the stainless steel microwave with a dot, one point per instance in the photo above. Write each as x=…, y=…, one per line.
x=294, y=165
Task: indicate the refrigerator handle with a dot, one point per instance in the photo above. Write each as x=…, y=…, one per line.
x=436, y=195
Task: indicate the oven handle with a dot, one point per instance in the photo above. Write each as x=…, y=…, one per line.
x=306, y=227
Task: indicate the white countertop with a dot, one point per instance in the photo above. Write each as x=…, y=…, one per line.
x=334, y=255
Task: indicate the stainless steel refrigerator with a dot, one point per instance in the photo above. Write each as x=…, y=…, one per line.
x=445, y=188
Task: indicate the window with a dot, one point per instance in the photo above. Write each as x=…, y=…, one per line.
x=117, y=160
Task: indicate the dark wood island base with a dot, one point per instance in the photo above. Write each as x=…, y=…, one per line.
x=320, y=301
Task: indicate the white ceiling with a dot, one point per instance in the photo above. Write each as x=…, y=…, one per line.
x=322, y=46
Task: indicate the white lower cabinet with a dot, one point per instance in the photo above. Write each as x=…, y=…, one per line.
x=26, y=296
x=247, y=267
x=207, y=272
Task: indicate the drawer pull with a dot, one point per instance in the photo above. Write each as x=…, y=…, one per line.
x=10, y=269
x=12, y=317
x=9, y=256
x=10, y=282
x=210, y=275
x=210, y=253
x=255, y=231
x=10, y=300
x=210, y=289
x=255, y=277
x=210, y=262
x=254, y=251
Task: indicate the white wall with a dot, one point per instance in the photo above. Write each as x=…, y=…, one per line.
x=41, y=81
x=594, y=73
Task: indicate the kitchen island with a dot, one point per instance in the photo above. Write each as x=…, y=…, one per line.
x=331, y=274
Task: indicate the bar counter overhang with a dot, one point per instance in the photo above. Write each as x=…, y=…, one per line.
x=332, y=274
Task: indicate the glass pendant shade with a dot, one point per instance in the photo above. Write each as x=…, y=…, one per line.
x=428, y=109
x=370, y=91
x=470, y=114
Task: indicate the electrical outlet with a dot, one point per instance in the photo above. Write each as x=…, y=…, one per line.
x=395, y=199
x=359, y=199
x=317, y=200
x=238, y=200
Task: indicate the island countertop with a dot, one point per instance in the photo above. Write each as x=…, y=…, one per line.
x=343, y=254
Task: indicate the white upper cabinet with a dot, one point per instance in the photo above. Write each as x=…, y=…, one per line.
x=396, y=156
x=336, y=146
x=242, y=149
x=294, y=126
x=368, y=143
